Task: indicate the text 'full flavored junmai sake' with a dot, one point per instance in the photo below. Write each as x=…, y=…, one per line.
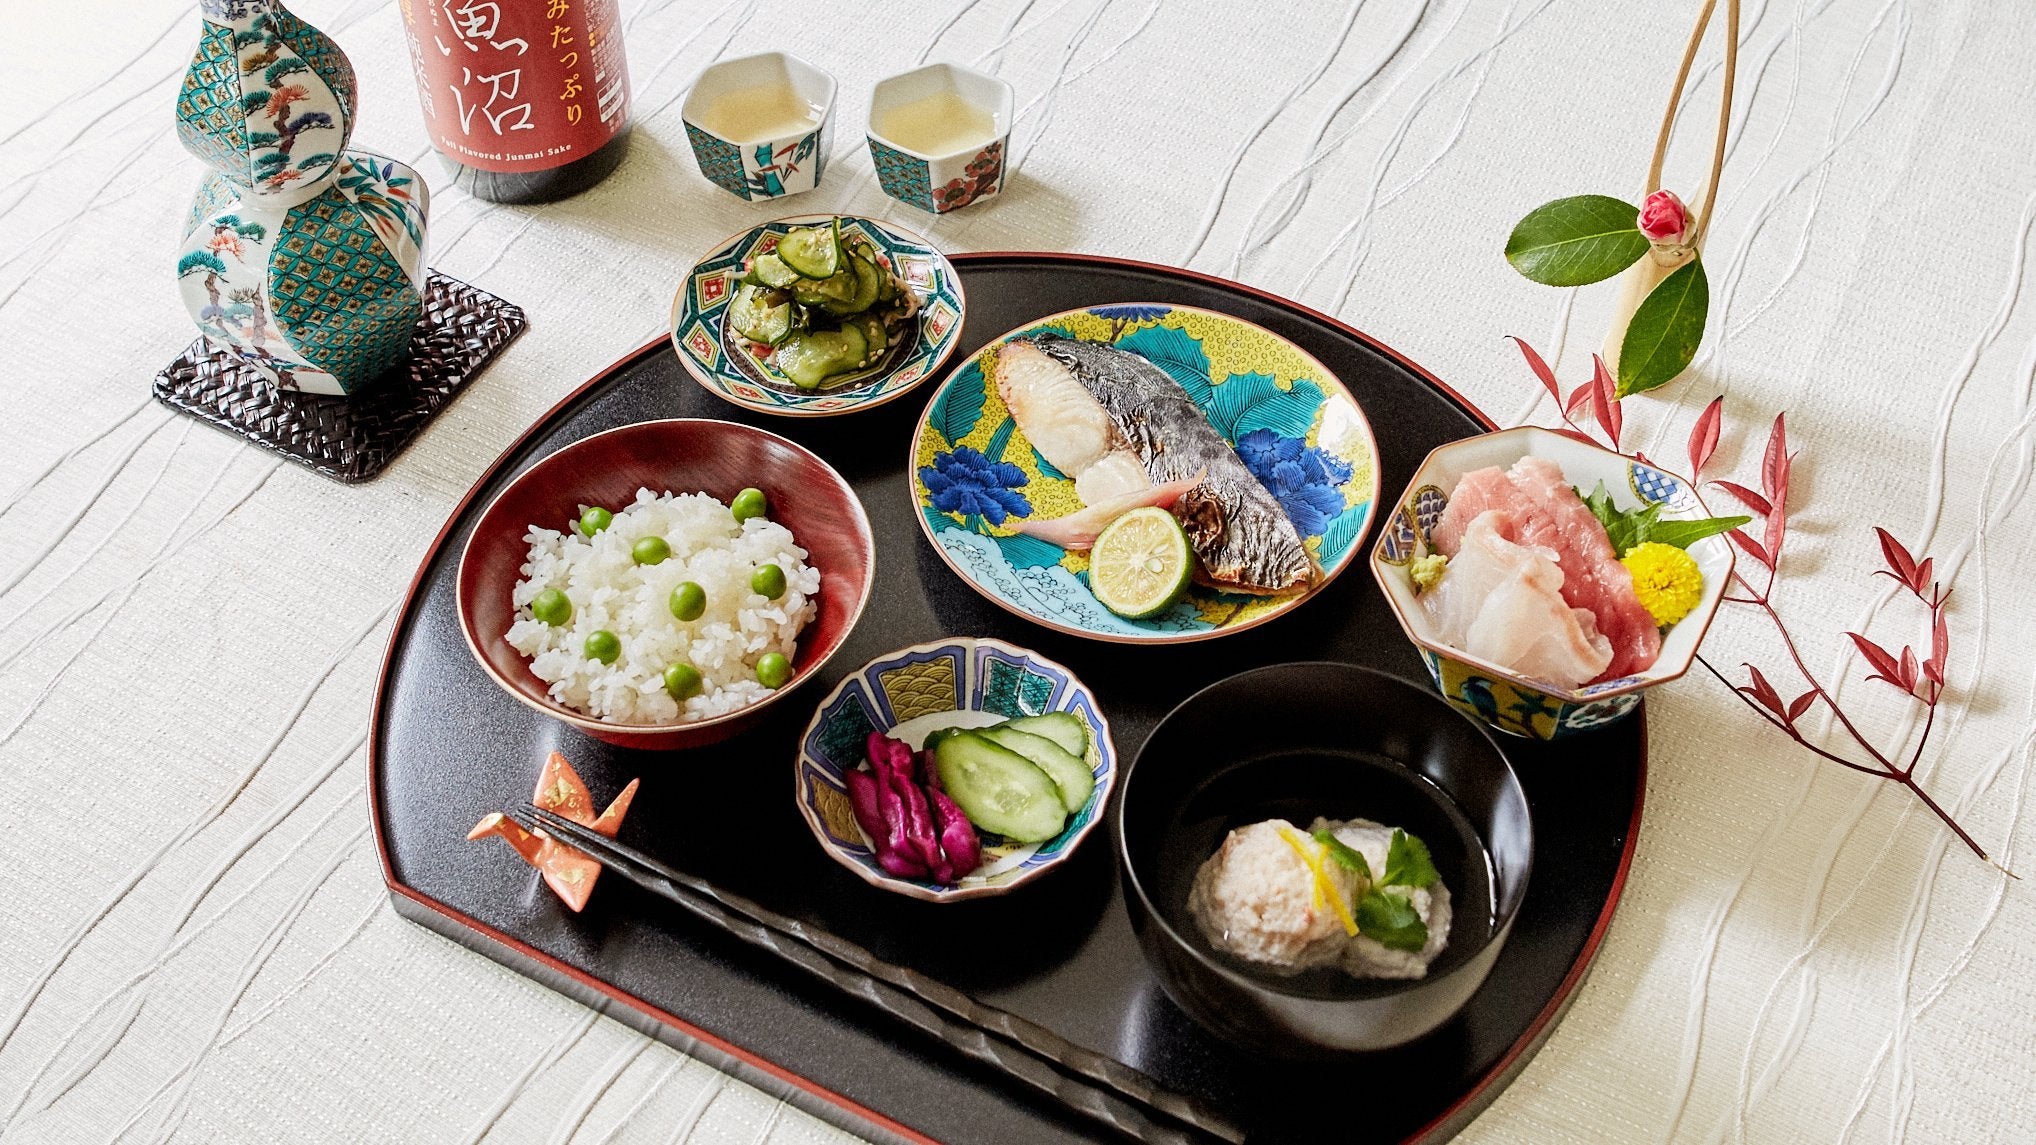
x=527, y=99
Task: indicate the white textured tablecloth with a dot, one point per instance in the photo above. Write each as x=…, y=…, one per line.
x=195, y=942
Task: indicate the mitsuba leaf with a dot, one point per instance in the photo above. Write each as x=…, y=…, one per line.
x=1387, y=918
x=1407, y=862
x=1344, y=856
x=1576, y=241
x=1666, y=327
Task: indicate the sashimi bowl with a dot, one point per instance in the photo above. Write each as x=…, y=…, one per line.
x=898, y=823
x=1518, y=612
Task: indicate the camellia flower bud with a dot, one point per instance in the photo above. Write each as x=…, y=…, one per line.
x=1663, y=218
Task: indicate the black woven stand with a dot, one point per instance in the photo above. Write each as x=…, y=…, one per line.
x=355, y=437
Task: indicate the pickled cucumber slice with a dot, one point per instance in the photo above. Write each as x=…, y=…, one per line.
x=1068, y=772
x=998, y=789
x=868, y=283
x=760, y=314
x=834, y=295
x=811, y=358
x=1067, y=729
x=875, y=336
x=814, y=252
x=770, y=270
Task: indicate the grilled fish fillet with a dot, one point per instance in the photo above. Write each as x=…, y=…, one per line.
x=1092, y=410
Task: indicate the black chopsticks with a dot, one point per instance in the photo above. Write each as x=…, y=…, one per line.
x=1120, y=1096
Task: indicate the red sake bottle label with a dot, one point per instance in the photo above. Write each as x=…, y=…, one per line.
x=518, y=85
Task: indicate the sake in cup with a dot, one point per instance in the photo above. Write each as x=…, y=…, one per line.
x=758, y=124
x=938, y=135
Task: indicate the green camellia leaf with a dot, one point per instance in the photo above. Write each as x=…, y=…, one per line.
x=1345, y=857
x=1665, y=330
x=1387, y=918
x=1577, y=241
x=1407, y=862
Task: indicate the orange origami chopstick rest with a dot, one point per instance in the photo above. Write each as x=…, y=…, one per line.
x=569, y=872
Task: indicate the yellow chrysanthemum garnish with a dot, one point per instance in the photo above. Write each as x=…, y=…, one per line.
x=1666, y=580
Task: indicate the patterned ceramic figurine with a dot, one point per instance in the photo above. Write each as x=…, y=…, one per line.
x=305, y=257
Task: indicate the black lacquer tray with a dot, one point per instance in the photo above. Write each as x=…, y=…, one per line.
x=449, y=747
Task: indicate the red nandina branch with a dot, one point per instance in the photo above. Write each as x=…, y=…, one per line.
x=1922, y=680
x=1796, y=655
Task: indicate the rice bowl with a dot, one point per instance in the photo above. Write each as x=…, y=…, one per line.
x=610, y=591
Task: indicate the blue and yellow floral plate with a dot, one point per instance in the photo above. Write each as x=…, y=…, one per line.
x=915, y=691
x=724, y=364
x=1291, y=421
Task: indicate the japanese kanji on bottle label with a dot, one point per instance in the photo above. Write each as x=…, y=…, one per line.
x=518, y=85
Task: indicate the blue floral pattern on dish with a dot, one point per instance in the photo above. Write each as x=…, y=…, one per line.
x=1307, y=482
x=966, y=482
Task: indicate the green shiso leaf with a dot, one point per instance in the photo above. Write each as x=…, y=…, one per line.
x=1387, y=918
x=1666, y=327
x=1407, y=862
x=1683, y=534
x=1577, y=241
x=1341, y=852
x=1628, y=528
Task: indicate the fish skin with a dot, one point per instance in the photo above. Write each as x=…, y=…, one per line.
x=1243, y=540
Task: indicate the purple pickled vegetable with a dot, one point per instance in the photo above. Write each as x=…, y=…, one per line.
x=892, y=806
x=920, y=832
x=894, y=764
x=899, y=864
x=957, y=835
x=862, y=796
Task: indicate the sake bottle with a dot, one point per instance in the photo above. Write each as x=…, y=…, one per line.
x=527, y=100
x=301, y=254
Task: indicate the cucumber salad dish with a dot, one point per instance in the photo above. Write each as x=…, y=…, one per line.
x=821, y=308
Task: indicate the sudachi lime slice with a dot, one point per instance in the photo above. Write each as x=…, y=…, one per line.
x=1141, y=563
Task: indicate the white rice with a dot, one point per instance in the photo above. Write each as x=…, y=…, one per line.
x=610, y=590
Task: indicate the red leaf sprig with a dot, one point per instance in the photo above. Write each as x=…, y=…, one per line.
x=1599, y=398
x=1922, y=678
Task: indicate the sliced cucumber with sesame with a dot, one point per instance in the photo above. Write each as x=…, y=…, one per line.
x=876, y=337
x=770, y=270
x=814, y=252
x=834, y=295
x=811, y=358
x=760, y=314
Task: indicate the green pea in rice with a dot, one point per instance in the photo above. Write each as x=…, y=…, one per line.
x=609, y=590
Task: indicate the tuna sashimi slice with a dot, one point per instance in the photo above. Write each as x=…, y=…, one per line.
x=1502, y=601
x=1542, y=510
x=1476, y=493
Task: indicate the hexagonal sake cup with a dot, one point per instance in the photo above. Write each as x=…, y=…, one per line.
x=1496, y=695
x=948, y=178
x=773, y=148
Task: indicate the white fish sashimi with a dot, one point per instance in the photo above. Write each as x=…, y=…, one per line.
x=1502, y=602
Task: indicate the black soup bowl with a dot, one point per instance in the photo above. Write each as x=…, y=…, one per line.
x=1294, y=742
